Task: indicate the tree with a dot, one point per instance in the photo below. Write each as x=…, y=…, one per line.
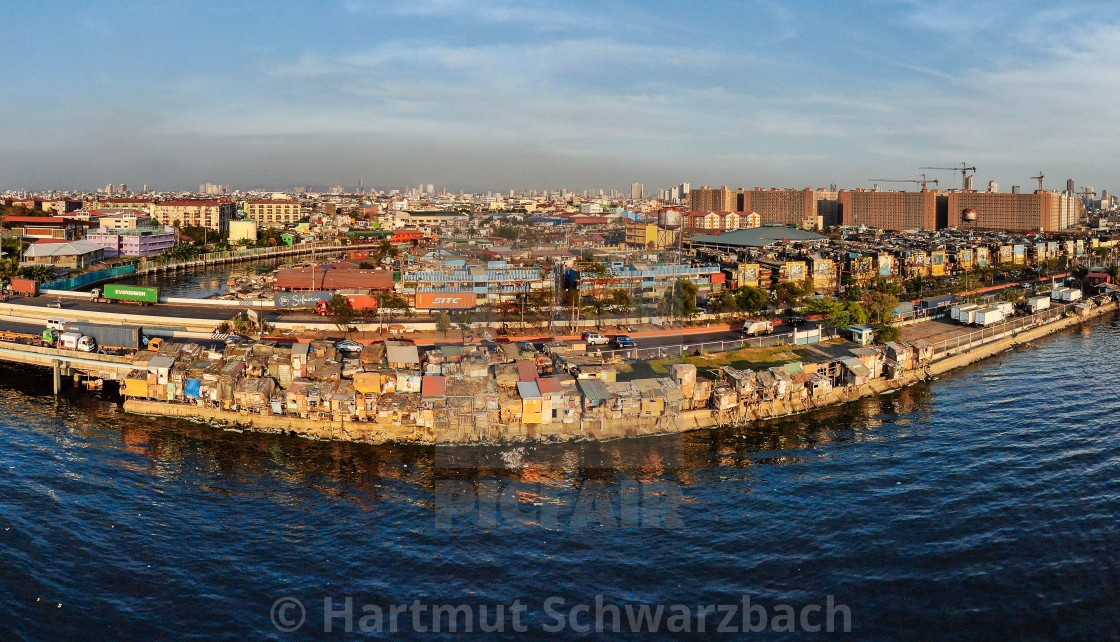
x=40, y=273
x=750, y=299
x=443, y=323
x=385, y=250
x=881, y=307
x=464, y=320
x=340, y=312
x=724, y=303
x=680, y=301
x=886, y=333
x=393, y=302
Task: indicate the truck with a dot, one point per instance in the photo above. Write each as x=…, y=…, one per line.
x=29, y=287
x=76, y=341
x=141, y=294
x=1038, y=303
x=987, y=317
x=757, y=328
x=128, y=337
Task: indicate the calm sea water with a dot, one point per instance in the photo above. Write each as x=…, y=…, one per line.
x=982, y=505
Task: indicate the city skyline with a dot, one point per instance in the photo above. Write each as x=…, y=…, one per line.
x=491, y=95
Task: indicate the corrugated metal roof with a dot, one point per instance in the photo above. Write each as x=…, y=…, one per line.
x=433, y=386
x=593, y=389
x=549, y=385
x=407, y=354
x=526, y=370
x=528, y=390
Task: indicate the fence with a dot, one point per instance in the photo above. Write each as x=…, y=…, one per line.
x=966, y=342
x=89, y=277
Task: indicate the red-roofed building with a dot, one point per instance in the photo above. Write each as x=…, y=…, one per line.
x=46, y=227
x=273, y=211
x=325, y=279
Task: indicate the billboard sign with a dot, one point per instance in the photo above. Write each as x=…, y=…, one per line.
x=446, y=300
x=301, y=299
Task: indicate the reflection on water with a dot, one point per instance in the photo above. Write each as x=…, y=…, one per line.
x=985, y=501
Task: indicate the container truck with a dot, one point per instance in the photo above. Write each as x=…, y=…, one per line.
x=128, y=337
x=1069, y=295
x=963, y=313
x=987, y=317
x=141, y=294
x=28, y=287
x=1038, y=303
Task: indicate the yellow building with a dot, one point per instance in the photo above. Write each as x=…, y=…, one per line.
x=211, y=214
x=273, y=211
x=937, y=263
x=649, y=235
x=748, y=274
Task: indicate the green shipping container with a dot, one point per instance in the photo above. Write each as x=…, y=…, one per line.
x=132, y=293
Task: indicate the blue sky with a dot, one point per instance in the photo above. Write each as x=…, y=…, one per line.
x=509, y=94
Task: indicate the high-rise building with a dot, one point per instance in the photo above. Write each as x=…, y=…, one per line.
x=889, y=210
x=993, y=186
x=969, y=183
x=1015, y=189
x=431, y=188
x=806, y=208
x=685, y=188
x=637, y=190
x=1034, y=212
x=1071, y=187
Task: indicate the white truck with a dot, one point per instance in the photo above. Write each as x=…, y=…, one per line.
x=76, y=341
x=987, y=316
x=757, y=328
x=1038, y=303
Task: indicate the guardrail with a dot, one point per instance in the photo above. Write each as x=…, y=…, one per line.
x=683, y=349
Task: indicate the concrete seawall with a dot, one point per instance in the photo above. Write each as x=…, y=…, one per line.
x=600, y=429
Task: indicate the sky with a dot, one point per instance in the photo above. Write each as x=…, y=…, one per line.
x=511, y=94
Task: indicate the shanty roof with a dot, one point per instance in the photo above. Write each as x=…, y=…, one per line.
x=528, y=390
x=857, y=368
x=549, y=385
x=433, y=386
x=526, y=370
x=593, y=389
x=402, y=353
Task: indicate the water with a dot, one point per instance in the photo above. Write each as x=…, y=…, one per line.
x=202, y=283
x=982, y=505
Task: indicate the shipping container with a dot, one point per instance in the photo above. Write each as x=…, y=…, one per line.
x=301, y=299
x=132, y=293
x=446, y=300
x=30, y=287
x=129, y=337
x=1006, y=307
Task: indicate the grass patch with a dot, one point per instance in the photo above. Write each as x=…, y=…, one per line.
x=708, y=365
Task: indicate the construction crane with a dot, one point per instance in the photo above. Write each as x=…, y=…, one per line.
x=1085, y=194
x=1039, y=179
x=964, y=169
x=923, y=181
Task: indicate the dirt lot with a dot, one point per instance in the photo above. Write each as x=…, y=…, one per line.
x=935, y=330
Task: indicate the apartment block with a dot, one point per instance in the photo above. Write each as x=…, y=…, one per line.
x=1039, y=211
x=212, y=214
x=273, y=212
x=890, y=210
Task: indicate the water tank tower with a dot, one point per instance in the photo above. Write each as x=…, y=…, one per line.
x=969, y=215
x=669, y=218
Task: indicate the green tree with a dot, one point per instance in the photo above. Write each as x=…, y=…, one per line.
x=464, y=320
x=443, y=323
x=750, y=299
x=885, y=333
x=881, y=307
x=680, y=301
x=40, y=273
x=724, y=303
x=340, y=312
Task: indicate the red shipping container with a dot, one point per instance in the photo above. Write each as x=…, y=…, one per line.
x=29, y=287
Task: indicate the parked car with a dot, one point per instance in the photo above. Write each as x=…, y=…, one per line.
x=55, y=304
x=595, y=339
x=624, y=341
x=349, y=346
x=797, y=322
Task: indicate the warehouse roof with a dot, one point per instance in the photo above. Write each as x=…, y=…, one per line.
x=73, y=248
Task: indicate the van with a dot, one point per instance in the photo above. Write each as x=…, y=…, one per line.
x=56, y=324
